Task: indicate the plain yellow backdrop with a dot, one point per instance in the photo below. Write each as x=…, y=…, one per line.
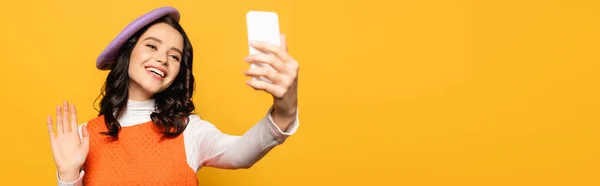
x=431, y=92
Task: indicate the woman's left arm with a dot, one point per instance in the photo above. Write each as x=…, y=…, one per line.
x=209, y=147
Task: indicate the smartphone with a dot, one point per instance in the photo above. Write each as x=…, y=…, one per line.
x=262, y=26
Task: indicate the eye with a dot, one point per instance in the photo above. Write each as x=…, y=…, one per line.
x=151, y=46
x=175, y=57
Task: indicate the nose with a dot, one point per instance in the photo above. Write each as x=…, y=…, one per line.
x=162, y=59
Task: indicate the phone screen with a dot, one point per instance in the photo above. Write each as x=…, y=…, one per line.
x=262, y=26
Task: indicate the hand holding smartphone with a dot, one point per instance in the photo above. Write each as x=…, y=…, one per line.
x=273, y=71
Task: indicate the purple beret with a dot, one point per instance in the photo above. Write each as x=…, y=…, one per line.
x=109, y=55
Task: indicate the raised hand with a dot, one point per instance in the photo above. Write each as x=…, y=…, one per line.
x=279, y=68
x=68, y=149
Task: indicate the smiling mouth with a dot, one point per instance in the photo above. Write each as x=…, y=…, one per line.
x=156, y=72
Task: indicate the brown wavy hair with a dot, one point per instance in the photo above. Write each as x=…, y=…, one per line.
x=172, y=106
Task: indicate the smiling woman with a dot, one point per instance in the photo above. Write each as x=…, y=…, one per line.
x=147, y=67
x=145, y=132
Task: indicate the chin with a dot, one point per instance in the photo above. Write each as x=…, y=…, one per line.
x=153, y=89
x=149, y=84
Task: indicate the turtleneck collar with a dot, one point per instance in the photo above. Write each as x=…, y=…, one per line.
x=136, y=112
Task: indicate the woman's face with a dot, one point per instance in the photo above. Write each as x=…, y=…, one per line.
x=155, y=61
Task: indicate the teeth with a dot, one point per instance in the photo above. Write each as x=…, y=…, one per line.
x=156, y=71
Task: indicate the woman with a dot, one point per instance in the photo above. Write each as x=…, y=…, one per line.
x=145, y=132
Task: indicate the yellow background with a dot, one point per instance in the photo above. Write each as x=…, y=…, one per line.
x=425, y=92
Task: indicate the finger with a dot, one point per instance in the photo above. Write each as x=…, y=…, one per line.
x=73, y=119
x=274, y=90
x=65, y=115
x=59, y=125
x=270, y=60
x=268, y=73
x=50, y=129
x=278, y=51
x=283, y=42
x=85, y=139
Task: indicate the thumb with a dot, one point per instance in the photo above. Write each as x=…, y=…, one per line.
x=85, y=139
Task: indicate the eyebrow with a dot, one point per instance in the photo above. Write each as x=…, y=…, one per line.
x=160, y=41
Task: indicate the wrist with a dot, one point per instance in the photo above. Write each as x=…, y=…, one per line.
x=285, y=107
x=68, y=175
x=284, y=112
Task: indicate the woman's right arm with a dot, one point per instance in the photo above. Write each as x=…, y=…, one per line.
x=69, y=149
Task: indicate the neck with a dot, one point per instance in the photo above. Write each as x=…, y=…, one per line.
x=137, y=93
